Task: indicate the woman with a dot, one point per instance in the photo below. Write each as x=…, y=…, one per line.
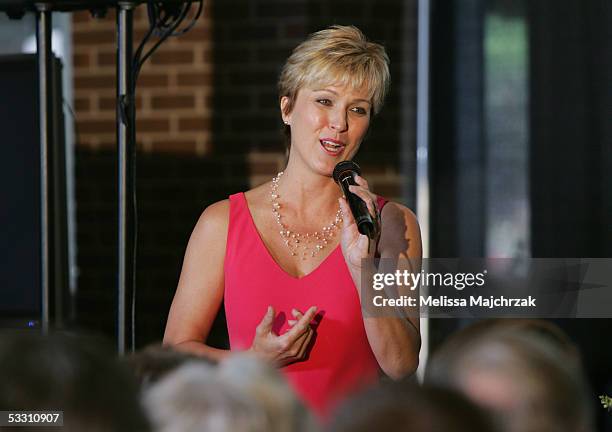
x=286, y=256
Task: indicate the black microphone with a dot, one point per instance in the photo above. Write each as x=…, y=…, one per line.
x=343, y=175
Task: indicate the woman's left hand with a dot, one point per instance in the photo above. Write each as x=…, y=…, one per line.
x=356, y=246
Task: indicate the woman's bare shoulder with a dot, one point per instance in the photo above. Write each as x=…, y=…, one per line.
x=214, y=220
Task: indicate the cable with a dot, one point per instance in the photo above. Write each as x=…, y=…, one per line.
x=193, y=21
x=164, y=19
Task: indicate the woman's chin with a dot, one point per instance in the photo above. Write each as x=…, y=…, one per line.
x=326, y=167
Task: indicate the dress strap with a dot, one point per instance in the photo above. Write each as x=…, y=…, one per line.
x=380, y=202
x=238, y=224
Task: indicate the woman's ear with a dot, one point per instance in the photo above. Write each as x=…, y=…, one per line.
x=284, y=107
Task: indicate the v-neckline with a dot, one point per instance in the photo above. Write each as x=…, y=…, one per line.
x=269, y=254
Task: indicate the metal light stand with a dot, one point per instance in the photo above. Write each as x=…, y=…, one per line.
x=126, y=140
x=46, y=107
x=126, y=134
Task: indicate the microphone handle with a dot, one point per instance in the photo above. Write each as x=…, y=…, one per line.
x=362, y=216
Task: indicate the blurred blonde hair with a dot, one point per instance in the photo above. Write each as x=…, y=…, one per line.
x=531, y=362
x=337, y=55
x=241, y=394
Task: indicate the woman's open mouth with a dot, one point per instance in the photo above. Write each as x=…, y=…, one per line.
x=332, y=147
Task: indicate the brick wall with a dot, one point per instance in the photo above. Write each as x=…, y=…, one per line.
x=208, y=126
x=174, y=88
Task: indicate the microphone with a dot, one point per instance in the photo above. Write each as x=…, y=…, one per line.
x=343, y=175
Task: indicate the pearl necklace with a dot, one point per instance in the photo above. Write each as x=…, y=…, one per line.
x=303, y=244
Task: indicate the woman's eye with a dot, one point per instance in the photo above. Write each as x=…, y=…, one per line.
x=324, y=101
x=360, y=110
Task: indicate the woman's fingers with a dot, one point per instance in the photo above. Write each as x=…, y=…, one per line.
x=308, y=336
x=296, y=314
x=265, y=326
x=368, y=197
x=289, y=347
x=361, y=181
x=300, y=327
x=305, y=344
x=292, y=345
x=294, y=352
x=299, y=347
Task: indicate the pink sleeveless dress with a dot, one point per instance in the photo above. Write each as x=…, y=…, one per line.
x=340, y=361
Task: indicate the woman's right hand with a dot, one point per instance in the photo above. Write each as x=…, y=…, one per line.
x=287, y=348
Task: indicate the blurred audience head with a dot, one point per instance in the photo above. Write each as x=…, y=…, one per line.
x=266, y=385
x=74, y=374
x=240, y=394
x=154, y=362
x=406, y=407
x=527, y=374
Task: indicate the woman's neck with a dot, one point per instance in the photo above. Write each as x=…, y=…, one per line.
x=307, y=193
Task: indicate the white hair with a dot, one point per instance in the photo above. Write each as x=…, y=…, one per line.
x=242, y=394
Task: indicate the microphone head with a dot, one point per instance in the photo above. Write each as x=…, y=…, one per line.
x=343, y=167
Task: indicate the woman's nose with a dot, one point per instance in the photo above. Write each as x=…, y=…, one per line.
x=338, y=121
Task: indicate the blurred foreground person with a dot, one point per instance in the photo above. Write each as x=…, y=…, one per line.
x=242, y=394
x=403, y=407
x=525, y=373
x=72, y=374
x=154, y=362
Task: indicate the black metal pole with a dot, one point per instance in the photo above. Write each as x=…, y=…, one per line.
x=45, y=107
x=125, y=148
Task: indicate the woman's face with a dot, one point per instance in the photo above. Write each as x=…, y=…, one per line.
x=327, y=125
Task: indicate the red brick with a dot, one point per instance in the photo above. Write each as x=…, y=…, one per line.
x=81, y=60
x=152, y=124
x=173, y=101
x=95, y=126
x=194, y=124
x=82, y=104
x=94, y=37
x=95, y=82
x=194, y=79
x=172, y=57
x=110, y=103
x=107, y=103
x=175, y=146
x=107, y=58
x=152, y=80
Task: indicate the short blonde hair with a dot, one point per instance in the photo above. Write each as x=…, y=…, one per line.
x=339, y=55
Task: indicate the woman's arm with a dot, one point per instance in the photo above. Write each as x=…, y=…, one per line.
x=200, y=289
x=200, y=292
x=395, y=341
